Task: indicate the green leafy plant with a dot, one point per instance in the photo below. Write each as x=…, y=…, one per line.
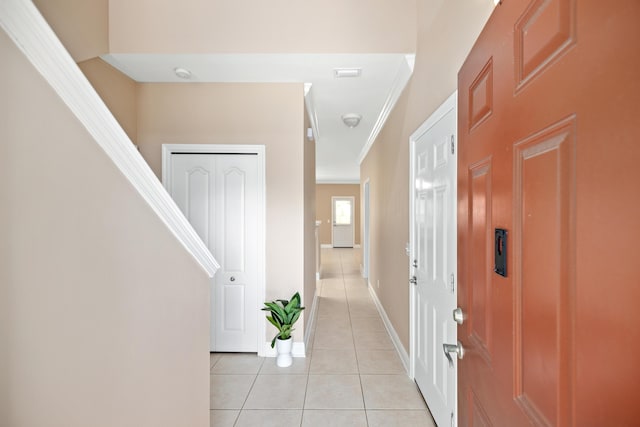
x=284, y=313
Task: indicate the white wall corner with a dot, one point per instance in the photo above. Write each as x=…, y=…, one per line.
x=311, y=110
x=395, y=338
x=400, y=82
x=313, y=314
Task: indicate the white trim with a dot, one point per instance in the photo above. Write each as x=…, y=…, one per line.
x=311, y=110
x=330, y=246
x=449, y=104
x=30, y=32
x=395, y=338
x=399, y=83
x=366, y=227
x=259, y=150
x=313, y=315
x=337, y=181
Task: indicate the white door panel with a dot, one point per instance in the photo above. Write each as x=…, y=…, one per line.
x=434, y=265
x=219, y=195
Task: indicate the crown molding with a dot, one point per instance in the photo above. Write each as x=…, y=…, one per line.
x=400, y=82
x=24, y=24
x=337, y=181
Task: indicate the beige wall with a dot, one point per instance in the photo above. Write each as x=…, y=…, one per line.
x=445, y=36
x=309, y=219
x=105, y=317
x=242, y=113
x=82, y=26
x=255, y=26
x=117, y=90
x=324, y=192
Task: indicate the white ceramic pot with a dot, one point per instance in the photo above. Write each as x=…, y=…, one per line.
x=283, y=347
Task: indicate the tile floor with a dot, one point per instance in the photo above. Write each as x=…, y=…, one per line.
x=352, y=375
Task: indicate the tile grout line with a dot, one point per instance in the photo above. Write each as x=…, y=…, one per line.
x=353, y=340
x=248, y=394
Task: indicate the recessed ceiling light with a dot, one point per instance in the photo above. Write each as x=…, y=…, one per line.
x=346, y=72
x=352, y=119
x=183, y=73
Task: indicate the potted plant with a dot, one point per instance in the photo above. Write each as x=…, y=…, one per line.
x=283, y=314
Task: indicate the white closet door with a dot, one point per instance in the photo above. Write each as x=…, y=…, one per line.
x=218, y=194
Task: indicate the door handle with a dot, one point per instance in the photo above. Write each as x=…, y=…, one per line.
x=413, y=280
x=233, y=279
x=459, y=316
x=458, y=349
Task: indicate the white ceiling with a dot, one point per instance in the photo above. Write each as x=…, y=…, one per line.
x=339, y=149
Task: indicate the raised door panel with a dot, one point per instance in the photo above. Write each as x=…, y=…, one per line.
x=236, y=283
x=479, y=255
x=544, y=248
x=560, y=128
x=198, y=209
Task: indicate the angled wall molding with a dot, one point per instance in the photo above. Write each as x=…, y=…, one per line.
x=24, y=24
x=311, y=110
x=400, y=82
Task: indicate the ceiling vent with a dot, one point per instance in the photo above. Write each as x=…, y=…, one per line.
x=339, y=73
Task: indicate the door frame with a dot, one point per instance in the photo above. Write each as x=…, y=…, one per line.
x=353, y=218
x=169, y=149
x=366, y=242
x=450, y=103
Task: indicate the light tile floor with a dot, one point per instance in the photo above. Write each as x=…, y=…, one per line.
x=352, y=375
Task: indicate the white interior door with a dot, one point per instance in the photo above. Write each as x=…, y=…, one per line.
x=342, y=219
x=218, y=193
x=434, y=263
x=366, y=242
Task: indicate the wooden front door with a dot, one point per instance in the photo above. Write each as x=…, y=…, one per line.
x=549, y=129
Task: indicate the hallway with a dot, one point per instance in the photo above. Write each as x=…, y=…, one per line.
x=352, y=375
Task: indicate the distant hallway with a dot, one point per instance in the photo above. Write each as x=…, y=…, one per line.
x=351, y=377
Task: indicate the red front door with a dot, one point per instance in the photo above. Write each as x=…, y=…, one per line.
x=549, y=129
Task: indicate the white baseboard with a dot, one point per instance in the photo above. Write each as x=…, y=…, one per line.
x=402, y=353
x=326, y=246
x=311, y=324
x=299, y=348
x=318, y=275
x=356, y=246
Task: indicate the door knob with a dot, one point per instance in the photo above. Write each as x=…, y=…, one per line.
x=233, y=279
x=413, y=280
x=453, y=348
x=459, y=316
